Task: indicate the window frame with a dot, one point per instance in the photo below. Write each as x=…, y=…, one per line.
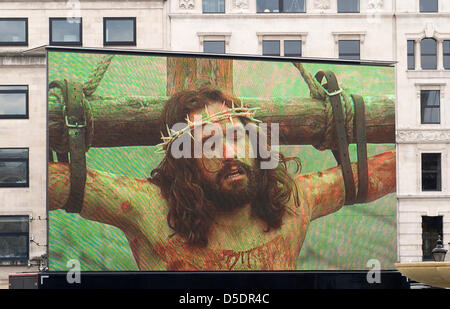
x=215, y=41
x=55, y=43
x=18, y=234
x=446, y=54
x=26, y=92
x=348, y=12
x=120, y=43
x=422, y=55
x=439, y=172
x=272, y=40
x=224, y=8
x=423, y=107
x=348, y=40
x=281, y=9
x=22, y=43
x=289, y=54
x=420, y=6
x=413, y=55
x=439, y=232
x=27, y=161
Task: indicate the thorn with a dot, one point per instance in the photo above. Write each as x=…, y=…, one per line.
x=189, y=132
x=206, y=110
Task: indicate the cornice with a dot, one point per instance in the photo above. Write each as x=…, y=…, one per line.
x=438, y=136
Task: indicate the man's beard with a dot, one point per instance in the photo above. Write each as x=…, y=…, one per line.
x=226, y=200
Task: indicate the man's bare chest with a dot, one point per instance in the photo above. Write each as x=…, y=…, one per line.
x=276, y=250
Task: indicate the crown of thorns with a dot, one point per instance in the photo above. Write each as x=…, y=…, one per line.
x=172, y=135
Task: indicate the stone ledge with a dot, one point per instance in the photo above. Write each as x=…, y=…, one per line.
x=11, y=59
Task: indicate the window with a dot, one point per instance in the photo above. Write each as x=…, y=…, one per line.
x=14, y=238
x=428, y=6
x=430, y=106
x=431, y=230
x=281, y=6
x=13, y=31
x=428, y=54
x=292, y=48
x=431, y=172
x=13, y=102
x=271, y=47
x=214, y=47
x=65, y=31
x=348, y=6
x=13, y=167
x=446, y=48
x=213, y=6
x=119, y=31
x=349, y=49
x=411, y=55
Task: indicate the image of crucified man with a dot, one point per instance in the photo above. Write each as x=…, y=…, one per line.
x=216, y=211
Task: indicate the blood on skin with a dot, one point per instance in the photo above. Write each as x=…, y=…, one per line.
x=268, y=256
x=126, y=207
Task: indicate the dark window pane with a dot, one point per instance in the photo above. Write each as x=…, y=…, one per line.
x=271, y=48
x=294, y=6
x=430, y=106
x=213, y=6
x=428, y=54
x=411, y=56
x=13, y=172
x=13, y=167
x=446, y=46
x=65, y=31
x=120, y=31
x=214, y=47
x=431, y=172
x=14, y=238
x=292, y=48
x=14, y=247
x=431, y=230
x=348, y=6
x=268, y=6
x=349, y=49
x=14, y=224
x=13, y=31
x=427, y=6
x=13, y=153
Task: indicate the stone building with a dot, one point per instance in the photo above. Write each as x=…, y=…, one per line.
x=26, y=25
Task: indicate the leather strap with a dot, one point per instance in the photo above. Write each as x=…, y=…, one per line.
x=341, y=153
x=359, y=129
x=75, y=118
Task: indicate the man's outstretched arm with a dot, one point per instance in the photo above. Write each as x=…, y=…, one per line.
x=108, y=198
x=325, y=192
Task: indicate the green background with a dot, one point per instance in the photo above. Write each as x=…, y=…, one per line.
x=345, y=240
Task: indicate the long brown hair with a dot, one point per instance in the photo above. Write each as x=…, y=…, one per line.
x=191, y=213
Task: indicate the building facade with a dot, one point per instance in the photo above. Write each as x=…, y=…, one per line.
x=414, y=33
x=26, y=25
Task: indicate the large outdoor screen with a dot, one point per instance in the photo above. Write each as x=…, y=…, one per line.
x=162, y=161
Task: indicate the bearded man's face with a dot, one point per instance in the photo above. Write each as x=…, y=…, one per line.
x=228, y=170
